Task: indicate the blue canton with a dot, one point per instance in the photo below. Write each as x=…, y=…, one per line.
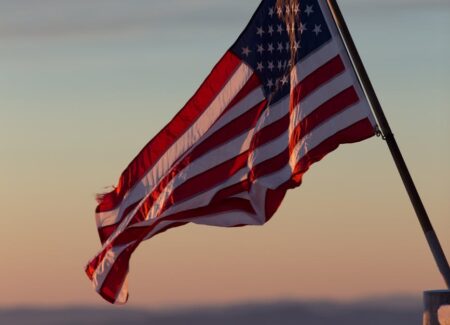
x=265, y=46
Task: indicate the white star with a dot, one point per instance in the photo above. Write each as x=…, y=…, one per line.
x=288, y=10
x=270, y=31
x=270, y=66
x=280, y=65
x=296, y=9
x=260, y=31
x=297, y=46
x=302, y=28
x=280, y=47
x=271, y=12
x=317, y=29
x=270, y=48
x=309, y=10
x=260, y=49
x=246, y=51
x=280, y=29
x=284, y=80
x=260, y=67
x=270, y=83
x=280, y=11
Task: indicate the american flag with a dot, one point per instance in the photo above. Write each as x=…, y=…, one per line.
x=282, y=97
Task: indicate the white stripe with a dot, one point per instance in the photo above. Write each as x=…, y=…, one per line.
x=340, y=122
x=186, y=141
x=321, y=95
x=198, y=201
x=215, y=157
x=302, y=70
x=327, y=129
x=302, y=110
x=308, y=65
x=223, y=219
x=280, y=109
x=251, y=100
x=316, y=59
x=122, y=296
x=206, y=122
x=230, y=219
x=346, y=58
x=210, y=160
x=100, y=274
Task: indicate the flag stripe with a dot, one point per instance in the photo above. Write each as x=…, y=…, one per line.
x=213, y=91
x=196, y=201
x=112, y=281
x=307, y=125
x=220, y=137
x=209, y=117
x=320, y=134
x=353, y=133
x=308, y=85
x=219, y=77
x=215, y=176
x=356, y=132
x=320, y=76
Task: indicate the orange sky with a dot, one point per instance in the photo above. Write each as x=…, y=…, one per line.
x=76, y=107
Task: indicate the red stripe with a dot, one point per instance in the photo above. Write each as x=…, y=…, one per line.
x=210, y=177
x=153, y=151
x=231, y=130
x=354, y=133
x=307, y=86
x=229, y=204
x=359, y=131
x=270, y=132
x=207, y=180
x=228, y=132
x=139, y=233
x=327, y=110
x=341, y=101
x=200, y=183
x=117, y=273
x=317, y=78
x=242, y=186
x=251, y=85
x=116, y=276
x=105, y=232
x=333, y=106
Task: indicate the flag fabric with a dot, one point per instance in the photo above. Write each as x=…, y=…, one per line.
x=281, y=98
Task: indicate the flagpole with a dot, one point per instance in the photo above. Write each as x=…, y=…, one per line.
x=386, y=131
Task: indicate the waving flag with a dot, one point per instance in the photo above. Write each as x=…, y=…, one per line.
x=280, y=99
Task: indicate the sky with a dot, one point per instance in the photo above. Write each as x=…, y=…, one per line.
x=85, y=84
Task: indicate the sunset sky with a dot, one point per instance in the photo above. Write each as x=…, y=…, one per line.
x=85, y=84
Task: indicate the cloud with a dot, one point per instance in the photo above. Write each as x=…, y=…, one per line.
x=63, y=18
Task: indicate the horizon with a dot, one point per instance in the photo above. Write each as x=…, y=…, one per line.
x=395, y=311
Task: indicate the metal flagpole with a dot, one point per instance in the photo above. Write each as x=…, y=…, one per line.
x=416, y=201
